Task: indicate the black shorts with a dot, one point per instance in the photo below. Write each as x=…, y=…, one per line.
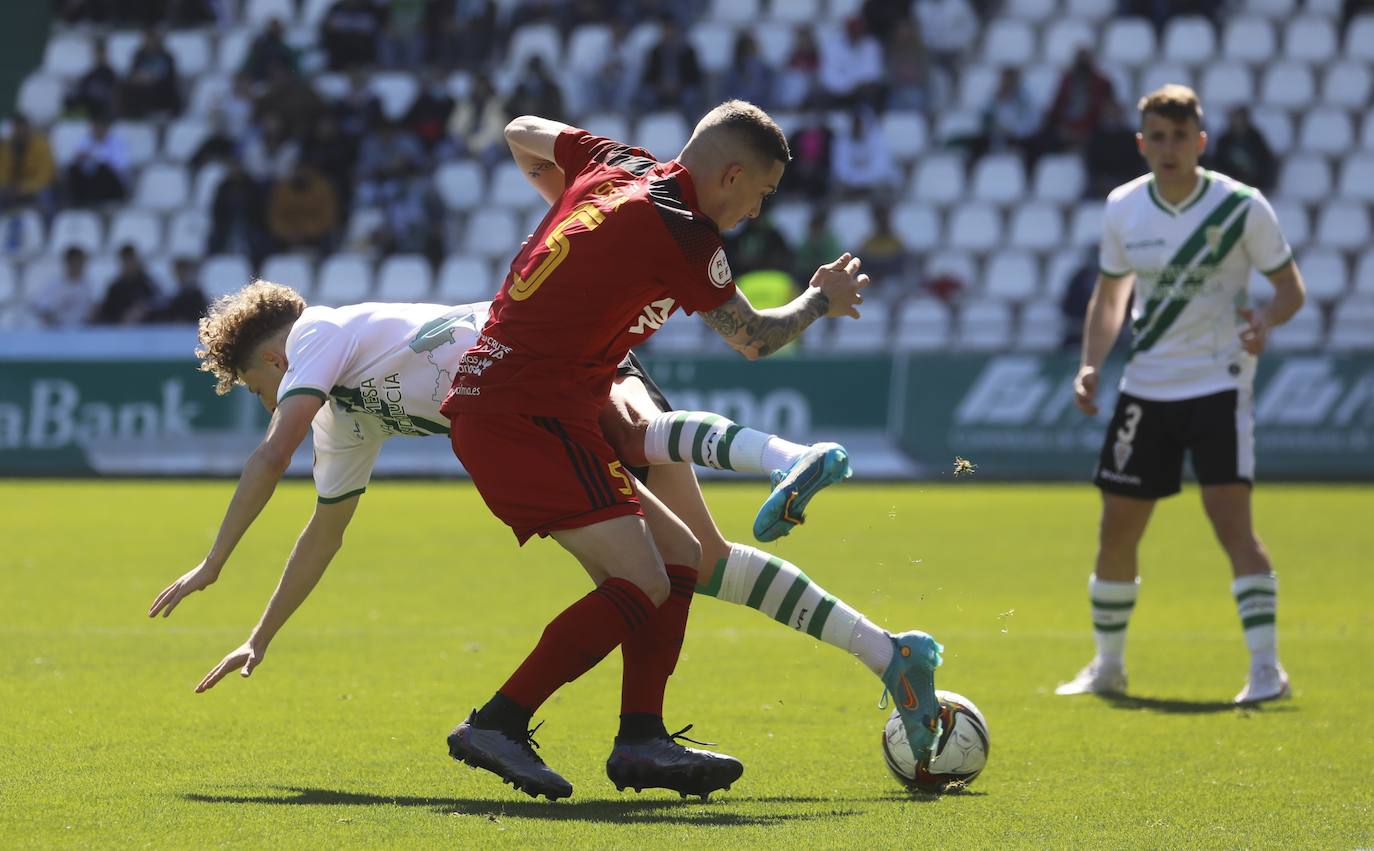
x=630, y=367
x=1142, y=454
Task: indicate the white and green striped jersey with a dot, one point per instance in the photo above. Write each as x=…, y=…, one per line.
x=383, y=370
x=1192, y=263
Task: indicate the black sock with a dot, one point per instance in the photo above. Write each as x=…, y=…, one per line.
x=502, y=713
x=637, y=726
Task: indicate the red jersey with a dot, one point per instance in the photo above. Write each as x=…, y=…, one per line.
x=623, y=248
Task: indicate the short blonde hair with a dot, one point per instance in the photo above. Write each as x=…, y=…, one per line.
x=749, y=126
x=237, y=324
x=1172, y=101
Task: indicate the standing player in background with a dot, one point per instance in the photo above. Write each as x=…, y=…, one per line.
x=628, y=241
x=1188, y=239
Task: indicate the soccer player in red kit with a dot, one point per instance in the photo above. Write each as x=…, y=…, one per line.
x=627, y=241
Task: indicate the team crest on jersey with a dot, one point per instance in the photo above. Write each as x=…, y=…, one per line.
x=1121, y=453
x=1213, y=237
x=720, y=268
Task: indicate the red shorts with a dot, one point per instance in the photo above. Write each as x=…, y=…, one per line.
x=542, y=474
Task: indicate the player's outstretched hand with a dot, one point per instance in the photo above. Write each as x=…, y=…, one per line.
x=1085, y=390
x=196, y=579
x=1255, y=333
x=842, y=285
x=246, y=656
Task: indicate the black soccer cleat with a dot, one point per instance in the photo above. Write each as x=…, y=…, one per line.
x=662, y=763
x=512, y=758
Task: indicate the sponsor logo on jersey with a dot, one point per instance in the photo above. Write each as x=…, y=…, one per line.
x=720, y=268
x=653, y=317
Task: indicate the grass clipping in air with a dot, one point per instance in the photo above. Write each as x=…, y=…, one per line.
x=963, y=466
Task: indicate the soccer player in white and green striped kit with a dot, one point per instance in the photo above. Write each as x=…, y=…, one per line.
x=1187, y=238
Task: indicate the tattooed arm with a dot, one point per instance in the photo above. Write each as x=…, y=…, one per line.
x=834, y=291
x=531, y=141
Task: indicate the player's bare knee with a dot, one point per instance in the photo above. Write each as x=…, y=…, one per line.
x=654, y=583
x=683, y=548
x=713, y=550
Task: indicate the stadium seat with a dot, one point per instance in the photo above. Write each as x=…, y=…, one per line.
x=1274, y=9
x=1034, y=11
x=207, y=182
x=905, y=134
x=1305, y=178
x=939, y=179
x=40, y=98
x=587, y=48
x=463, y=280
x=1008, y=42
x=1310, y=39
x=492, y=233
x=1061, y=268
x=9, y=282
x=984, y=326
x=1249, y=40
x=1064, y=37
x=975, y=227
x=68, y=55
x=344, y=278
x=140, y=141
x=1090, y=10
x=736, y=11
x=1042, y=83
x=1289, y=85
x=1011, y=276
x=163, y=186
x=257, y=14
x=65, y=137
x=1324, y=8
x=792, y=12
x=313, y=11
x=612, y=126
x=1359, y=38
x=958, y=124
x=999, y=179
x=1037, y=226
x=1129, y=42
x=222, y=274
x=1301, y=333
x=363, y=223
x=1155, y=75
x=395, y=89
x=1276, y=126
x=1343, y=224
x=141, y=228
x=1326, y=130
x=81, y=228
x=1060, y=177
x=187, y=233
x=662, y=134
x=192, y=51
x=1190, y=40
x=232, y=51
x=1324, y=273
x=403, y=278
x=1087, y=224
x=534, y=216
x=922, y=325
x=120, y=47
x=715, y=45
x=542, y=40
x=851, y=222
x=510, y=189
x=1294, y=222
x=681, y=334
x=1347, y=84
x=1225, y=85
x=182, y=138
x=868, y=333
x=1364, y=274
x=977, y=84
x=460, y=184
x=1041, y=328
x=206, y=94
x=1352, y=325
x=790, y=218
x=1367, y=131
x=1357, y=177
x=775, y=43
x=959, y=265
x=918, y=225
x=293, y=270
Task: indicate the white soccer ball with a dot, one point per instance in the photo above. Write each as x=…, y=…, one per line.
x=960, y=753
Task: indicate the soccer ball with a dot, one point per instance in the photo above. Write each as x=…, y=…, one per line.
x=960, y=753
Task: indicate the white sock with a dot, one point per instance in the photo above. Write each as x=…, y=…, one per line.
x=780, y=590
x=710, y=440
x=1257, y=598
x=1112, y=603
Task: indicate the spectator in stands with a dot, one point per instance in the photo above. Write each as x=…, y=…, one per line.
x=818, y=246
x=1074, y=303
x=1159, y=12
x=537, y=92
x=427, y=118
x=1076, y=111
x=350, y=33
x=672, y=74
x=389, y=155
x=1112, y=157
x=82, y=11
x=479, y=123
x=96, y=91
x=27, y=172
x=758, y=244
x=797, y=79
x=812, y=150
x=883, y=17
x=358, y=111
x=188, y=302
x=851, y=71
x=749, y=76
x=152, y=87
x=861, y=161
x=290, y=100
x=329, y=153
x=611, y=86
x=268, y=49
x=908, y=68
x=219, y=145
x=303, y=211
x=65, y=302
x=460, y=33
x=236, y=216
x=269, y=154
x=132, y=296
x=1010, y=120
x=1243, y=153
x=99, y=171
x=950, y=28
x=884, y=253
x=402, y=43
x=413, y=218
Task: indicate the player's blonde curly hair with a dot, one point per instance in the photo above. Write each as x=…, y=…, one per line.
x=237, y=324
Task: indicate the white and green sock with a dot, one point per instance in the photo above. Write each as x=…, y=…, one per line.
x=780, y=590
x=710, y=440
x=1112, y=603
x=1257, y=599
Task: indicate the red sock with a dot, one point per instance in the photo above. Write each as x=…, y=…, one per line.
x=577, y=639
x=651, y=652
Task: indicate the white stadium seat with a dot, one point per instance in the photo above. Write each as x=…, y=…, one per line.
x=463, y=280
x=793, y=12
x=918, y=225
x=363, y=224
x=587, y=48
x=1344, y=225
x=163, y=186
x=1008, y=42
x=1364, y=274
x=851, y=222
x=923, y=325
x=492, y=233
x=775, y=43
x=81, y=228
x=791, y=219
x=1037, y=226
x=404, y=278
x=1042, y=83
x=206, y=95
x=1274, y=9
x=1064, y=37
x=939, y=179
x=1129, y=41
x=120, y=47
x=542, y=40
x=612, y=126
x=396, y=90
x=233, y=51
x=1011, y=276
x=183, y=137
x=738, y=11
x=1347, y=84
x=1324, y=273
x=1359, y=38
x=208, y=179
x=344, y=278
x=258, y=13
x=905, y=134
x=1352, y=324
x=1326, y=130
x=1277, y=127
x=191, y=50
x=1310, y=39
x=510, y=188
x=662, y=134
x=141, y=228
x=65, y=137
x=956, y=124
x=999, y=179
x=1155, y=75
x=1030, y=10
x=959, y=265
x=293, y=270
x=40, y=98
x=1367, y=131
x=1189, y=39
x=1061, y=268
x=868, y=333
x=1289, y=85
x=1090, y=10
x=681, y=333
x=1087, y=224
x=975, y=227
x=222, y=274
x=714, y=44
x=1041, y=329
x=1225, y=85
x=1249, y=40
x=1303, y=332
x=1357, y=177
x=187, y=233
x=313, y=11
x=336, y=86
x=69, y=54
x=1060, y=177
x=9, y=282
x=984, y=325
x=461, y=185
x=140, y=140
x=1293, y=222
x=1305, y=178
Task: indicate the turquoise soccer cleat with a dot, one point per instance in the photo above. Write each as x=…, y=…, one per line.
x=822, y=465
x=910, y=679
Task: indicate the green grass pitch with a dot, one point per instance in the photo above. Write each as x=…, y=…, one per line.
x=338, y=739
